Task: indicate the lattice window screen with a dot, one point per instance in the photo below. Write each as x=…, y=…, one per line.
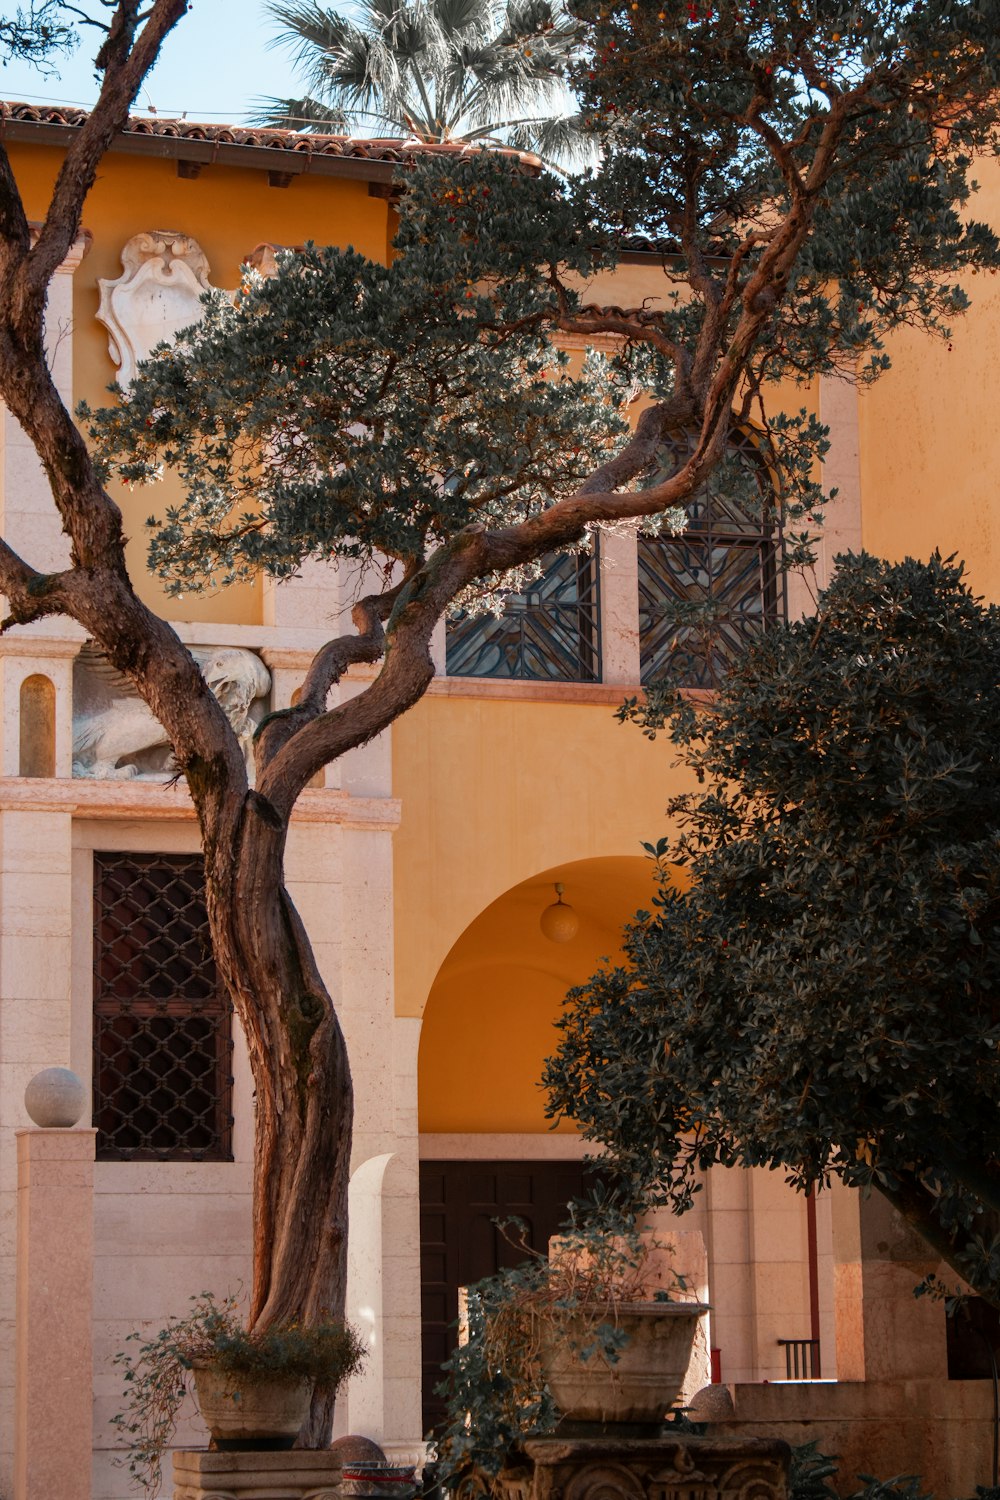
x=706, y=594
x=162, y=1025
x=551, y=632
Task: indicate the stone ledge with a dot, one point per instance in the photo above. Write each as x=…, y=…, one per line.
x=158, y=801
x=200, y=1475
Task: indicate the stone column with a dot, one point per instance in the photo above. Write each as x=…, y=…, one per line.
x=35, y=979
x=905, y=1338
x=54, y=1362
x=619, y=610
x=845, y=1207
x=779, y=1270
x=838, y=409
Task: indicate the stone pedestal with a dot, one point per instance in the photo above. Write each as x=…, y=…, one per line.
x=256, y=1476
x=53, y=1402
x=663, y=1468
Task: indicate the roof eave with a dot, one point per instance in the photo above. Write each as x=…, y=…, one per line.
x=208, y=153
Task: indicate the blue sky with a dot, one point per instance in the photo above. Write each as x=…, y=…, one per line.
x=213, y=65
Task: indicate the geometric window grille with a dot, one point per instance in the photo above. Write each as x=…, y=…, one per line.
x=551, y=632
x=162, y=1026
x=706, y=594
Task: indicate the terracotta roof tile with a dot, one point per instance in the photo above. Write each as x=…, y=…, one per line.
x=259, y=137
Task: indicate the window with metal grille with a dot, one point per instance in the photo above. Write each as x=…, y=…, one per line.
x=162, y=1024
x=706, y=594
x=550, y=632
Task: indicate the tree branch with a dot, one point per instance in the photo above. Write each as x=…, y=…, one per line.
x=30, y=595
x=127, y=60
x=327, y=667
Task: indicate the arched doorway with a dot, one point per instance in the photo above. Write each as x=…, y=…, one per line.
x=487, y=1149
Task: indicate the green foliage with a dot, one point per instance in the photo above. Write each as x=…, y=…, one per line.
x=804, y=175
x=712, y=119
x=451, y=70
x=33, y=32
x=823, y=999
x=156, y=1376
x=396, y=404
x=810, y=1470
x=902, y=1487
x=496, y=1389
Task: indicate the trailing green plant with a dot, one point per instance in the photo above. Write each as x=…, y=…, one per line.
x=157, y=1374
x=496, y=1390
x=901, y=1487
x=810, y=1472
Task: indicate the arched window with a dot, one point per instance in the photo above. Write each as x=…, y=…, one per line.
x=706, y=594
x=551, y=632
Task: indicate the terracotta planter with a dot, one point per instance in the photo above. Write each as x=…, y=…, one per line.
x=256, y=1415
x=378, y=1481
x=649, y=1371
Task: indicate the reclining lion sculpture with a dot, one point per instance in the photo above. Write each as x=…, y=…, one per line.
x=115, y=735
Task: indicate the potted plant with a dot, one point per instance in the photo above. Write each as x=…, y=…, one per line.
x=576, y=1335
x=253, y=1389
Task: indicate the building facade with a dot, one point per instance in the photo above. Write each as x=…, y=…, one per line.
x=423, y=863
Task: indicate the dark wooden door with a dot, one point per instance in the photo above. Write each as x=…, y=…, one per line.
x=460, y=1242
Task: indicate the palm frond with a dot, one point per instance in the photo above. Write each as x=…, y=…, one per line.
x=438, y=69
x=300, y=114
x=455, y=18
x=307, y=27
x=564, y=143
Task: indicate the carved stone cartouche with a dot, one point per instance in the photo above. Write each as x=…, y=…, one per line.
x=158, y=294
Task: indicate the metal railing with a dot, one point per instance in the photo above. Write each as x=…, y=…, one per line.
x=801, y=1358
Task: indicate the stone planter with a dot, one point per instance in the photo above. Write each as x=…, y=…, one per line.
x=649, y=1371
x=261, y=1415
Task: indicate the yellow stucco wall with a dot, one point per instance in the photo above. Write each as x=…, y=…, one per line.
x=497, y=792
x=490, y=1016
x=930, y=433
x=228, y=211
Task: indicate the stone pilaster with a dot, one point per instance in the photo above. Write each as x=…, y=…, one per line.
x=54, y=1361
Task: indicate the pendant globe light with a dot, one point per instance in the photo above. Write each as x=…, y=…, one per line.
x=559, y=922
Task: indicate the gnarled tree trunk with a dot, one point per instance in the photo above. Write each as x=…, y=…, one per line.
x=304, y=1100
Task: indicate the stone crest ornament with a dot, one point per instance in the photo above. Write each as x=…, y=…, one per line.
x=115, y=735
x=159, y=292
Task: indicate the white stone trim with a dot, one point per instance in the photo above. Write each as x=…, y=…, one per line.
x=619, y=609
x=159, y=802
x=28, y=646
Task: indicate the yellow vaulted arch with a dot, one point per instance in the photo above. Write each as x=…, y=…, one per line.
x=489, y=1019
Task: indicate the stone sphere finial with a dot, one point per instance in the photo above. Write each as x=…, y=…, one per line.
x=55, y=1099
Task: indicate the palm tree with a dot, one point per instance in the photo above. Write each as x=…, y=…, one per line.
x=488, y=71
